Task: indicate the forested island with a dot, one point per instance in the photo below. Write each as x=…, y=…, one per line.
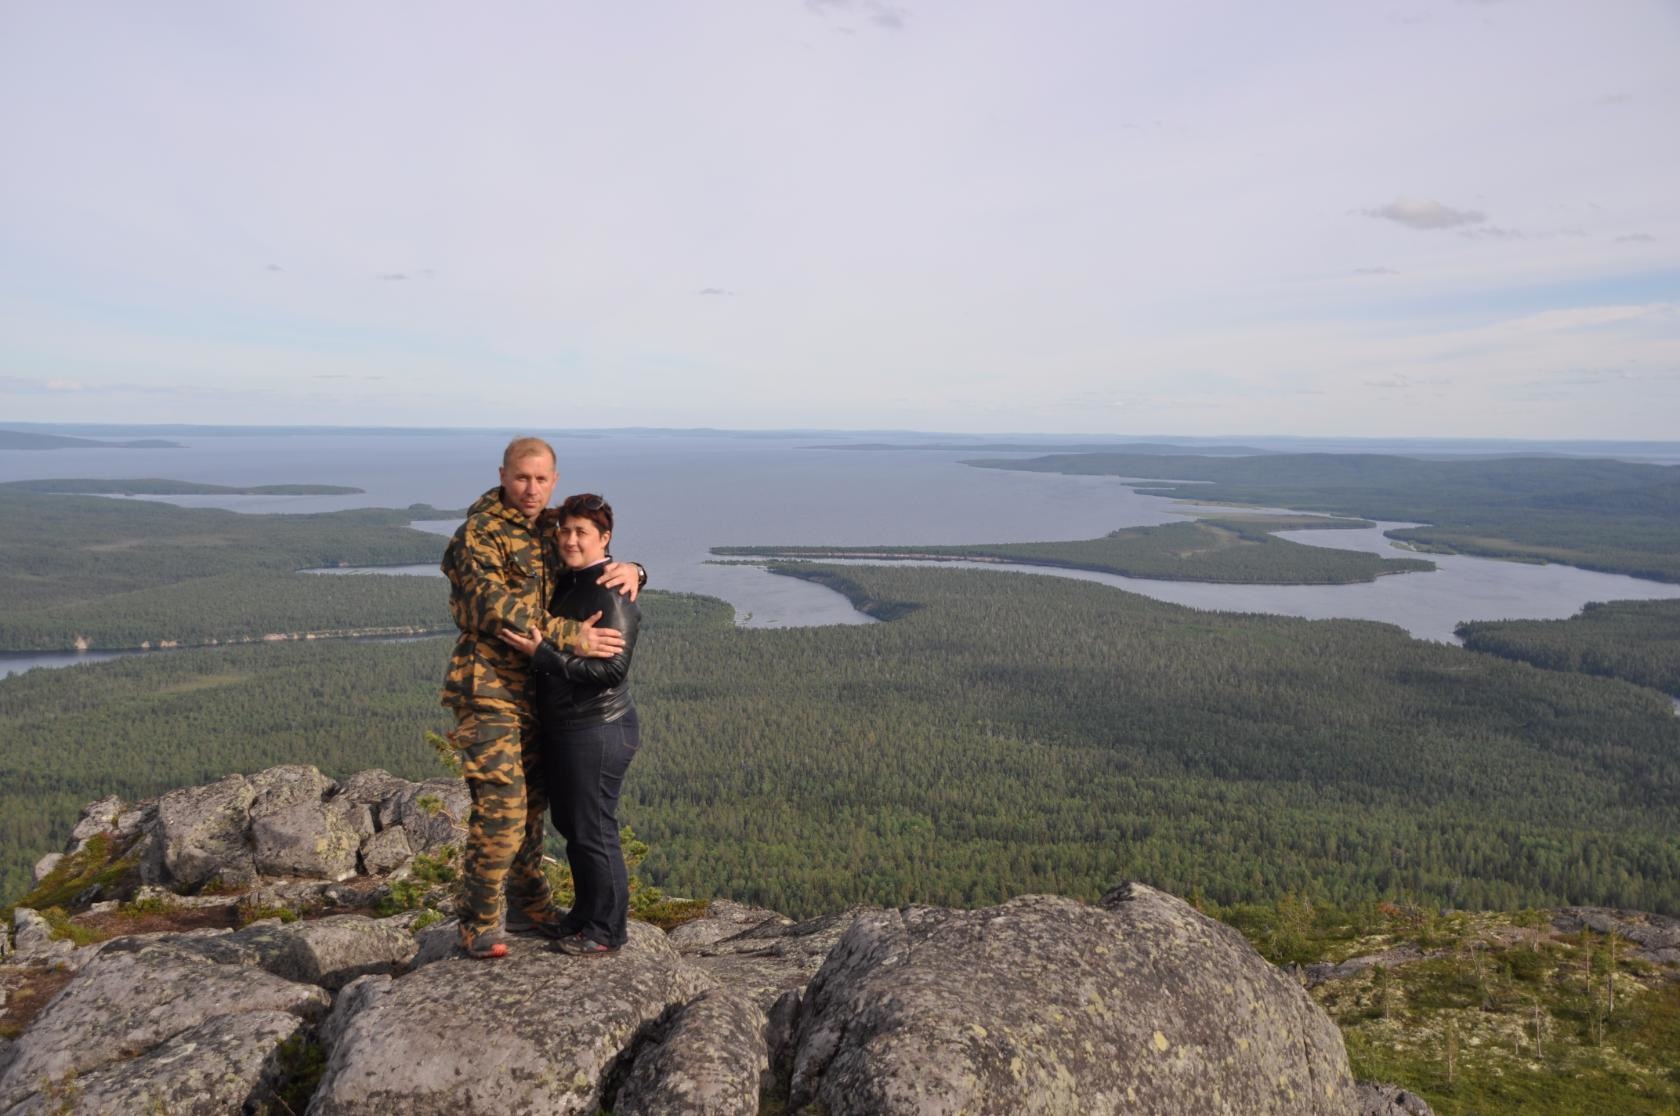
x=1613, y=516
x=1232, y=549
x=85, y=572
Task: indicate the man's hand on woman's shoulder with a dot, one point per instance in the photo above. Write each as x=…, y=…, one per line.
x=626, y=577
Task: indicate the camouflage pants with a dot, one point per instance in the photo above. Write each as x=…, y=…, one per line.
x=501, y=760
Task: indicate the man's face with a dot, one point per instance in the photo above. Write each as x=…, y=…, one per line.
x=528, y=482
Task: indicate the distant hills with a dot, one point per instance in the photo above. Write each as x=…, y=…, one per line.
x=157, y=486
x=26, y=440
x=1162, y=448
x=1596, y=513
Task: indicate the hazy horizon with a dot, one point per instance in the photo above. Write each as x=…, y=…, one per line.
x=94, y=429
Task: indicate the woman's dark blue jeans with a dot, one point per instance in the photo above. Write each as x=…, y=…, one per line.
x=584, y=767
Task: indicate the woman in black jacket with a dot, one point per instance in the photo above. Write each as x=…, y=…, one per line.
x=589, y=730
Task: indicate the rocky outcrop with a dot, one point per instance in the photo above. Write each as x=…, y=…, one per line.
x=1390, y=1100
x=724, y=918
x=330, y=952
x=199, y=836
x=430, y=814
x=771, y=957
x=710, y=1059
x=287, y=824
x=1652, y=938
x=1320, y=972
x=225, y=1064
x=131, y=1000
x=300, y=828
x=1141, y=1005
x=1043, y=1004
x=46, y=864
x=533, y=1032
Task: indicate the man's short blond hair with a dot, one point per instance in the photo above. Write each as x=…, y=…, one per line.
x=521, y=448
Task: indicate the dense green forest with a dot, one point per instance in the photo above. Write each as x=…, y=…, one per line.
x=1635, y=640
x=1226, y=549
x=1004, y=734
x=1605, y=515
x=232, y=608
x=118, y=572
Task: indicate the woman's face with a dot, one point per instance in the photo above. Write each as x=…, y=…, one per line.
x=581, y=542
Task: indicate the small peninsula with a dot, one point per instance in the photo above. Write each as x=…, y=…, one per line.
x=1236, y=549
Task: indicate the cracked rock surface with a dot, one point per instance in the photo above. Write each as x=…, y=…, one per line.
x=1046, y=1005
x=134, y=997
x=207, y=1070
x=709, y=1060
x=533, y=1032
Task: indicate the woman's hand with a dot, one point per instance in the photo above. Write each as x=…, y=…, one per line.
x=527, y=642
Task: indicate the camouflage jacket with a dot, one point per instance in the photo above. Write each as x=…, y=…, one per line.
x=498, y=570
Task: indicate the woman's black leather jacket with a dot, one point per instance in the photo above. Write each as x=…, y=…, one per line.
x=573, y=691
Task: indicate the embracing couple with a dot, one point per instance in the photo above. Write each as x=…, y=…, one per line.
x=538, y=685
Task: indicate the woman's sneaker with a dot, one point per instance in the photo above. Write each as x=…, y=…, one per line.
x=579, y=945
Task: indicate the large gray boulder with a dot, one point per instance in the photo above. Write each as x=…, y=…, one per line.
x=373, y=788
x=214, y=1068
x=30, y=932
x=298, y=827
x=352, y=1000
x=97, y=817
x=386, y=851
x=199, y=836
x=708, y=1060
x=1045, y=1005
x=433, y=814
x=33, y=941
x=535, y=1031
x=132, y=998
x=770, y=958
x=330, y=952
x=724, y=918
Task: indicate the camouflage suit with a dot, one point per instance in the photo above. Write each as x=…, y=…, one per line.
x=498, y=578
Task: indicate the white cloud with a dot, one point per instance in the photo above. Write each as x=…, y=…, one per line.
x=1425, y=214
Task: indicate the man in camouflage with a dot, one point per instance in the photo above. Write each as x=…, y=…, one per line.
x=498, y=567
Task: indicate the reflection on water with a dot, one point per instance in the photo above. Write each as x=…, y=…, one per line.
x=11, y=664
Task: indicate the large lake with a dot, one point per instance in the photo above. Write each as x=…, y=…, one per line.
x=677, y=495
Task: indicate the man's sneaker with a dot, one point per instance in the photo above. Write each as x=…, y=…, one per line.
x=491, y=943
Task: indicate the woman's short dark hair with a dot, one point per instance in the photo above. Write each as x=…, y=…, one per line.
x=587, y=505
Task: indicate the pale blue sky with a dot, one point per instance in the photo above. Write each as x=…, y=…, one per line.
x=1418, y=217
